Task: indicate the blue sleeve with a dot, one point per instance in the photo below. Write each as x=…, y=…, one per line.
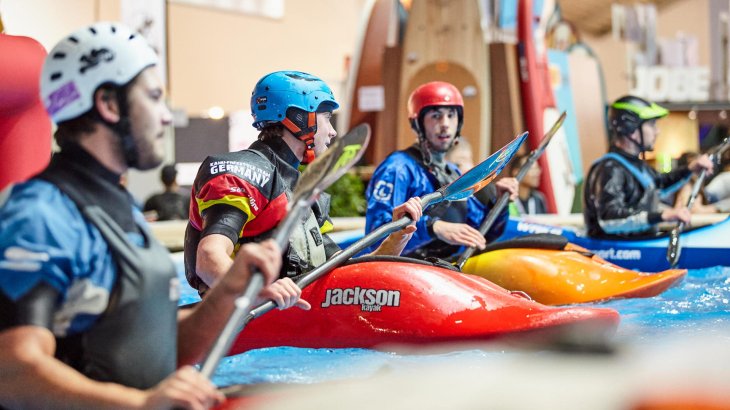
x=43, y=237
x=395, y=181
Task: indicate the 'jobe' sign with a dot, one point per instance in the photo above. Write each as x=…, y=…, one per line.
x=659, y=83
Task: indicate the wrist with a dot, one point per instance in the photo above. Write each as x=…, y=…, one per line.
x=231, y=284
x=430, y=227
x=656, y=217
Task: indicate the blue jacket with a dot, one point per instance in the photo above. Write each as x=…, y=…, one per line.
x=44, y=237
x=400, y=177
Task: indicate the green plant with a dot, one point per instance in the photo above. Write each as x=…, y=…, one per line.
x=348, y=196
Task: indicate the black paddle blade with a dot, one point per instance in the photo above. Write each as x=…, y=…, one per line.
x=674, y=250
x=330, y=166
x=483, y=173
x=541, y=148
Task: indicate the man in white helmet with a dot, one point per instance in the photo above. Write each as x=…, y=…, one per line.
x=88, y=299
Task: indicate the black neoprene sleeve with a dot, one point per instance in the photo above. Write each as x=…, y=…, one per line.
x=34, y=308
x=225, y=220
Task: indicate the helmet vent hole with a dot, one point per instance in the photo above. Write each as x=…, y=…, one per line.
x=279, y=115
x=73, y=40
x=55, y=76
x=316, y=98
x=267, y=88
x=131, y=36
x=114, y=29
x=59, y=55
x=92, y=30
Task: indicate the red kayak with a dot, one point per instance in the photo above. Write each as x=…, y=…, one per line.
x=393, y=300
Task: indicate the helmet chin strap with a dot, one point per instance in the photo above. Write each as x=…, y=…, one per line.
x=304, y=134
x=123, y=129
x=425, y=146
x=427, y=149
x=309, y=155
x=640, y=145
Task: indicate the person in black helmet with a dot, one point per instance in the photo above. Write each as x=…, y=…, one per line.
x=88, y=298
x=621, y=195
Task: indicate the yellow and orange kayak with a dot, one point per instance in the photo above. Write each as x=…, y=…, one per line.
x=566, y=274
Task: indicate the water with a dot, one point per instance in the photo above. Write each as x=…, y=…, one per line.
x=698, y=305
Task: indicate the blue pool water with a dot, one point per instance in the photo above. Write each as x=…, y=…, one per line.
x=698, y=305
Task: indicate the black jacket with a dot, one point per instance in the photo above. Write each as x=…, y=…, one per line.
x=616, y=204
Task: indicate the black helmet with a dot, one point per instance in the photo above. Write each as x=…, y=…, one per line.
x=629, y=112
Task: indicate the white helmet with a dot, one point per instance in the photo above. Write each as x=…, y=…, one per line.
x=98, y=54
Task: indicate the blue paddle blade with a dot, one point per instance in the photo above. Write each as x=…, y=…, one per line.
x=483, y=173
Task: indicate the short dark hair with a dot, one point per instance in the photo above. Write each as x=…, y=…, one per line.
x=70, y=131
x=275, y=130
x=168, y=174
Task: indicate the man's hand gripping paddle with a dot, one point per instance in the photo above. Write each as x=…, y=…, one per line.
x=502, y=202
x=674, y=250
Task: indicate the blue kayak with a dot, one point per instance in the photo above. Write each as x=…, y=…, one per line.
x=702, y=247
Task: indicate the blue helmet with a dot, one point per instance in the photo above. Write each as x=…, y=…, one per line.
x=275, y=93
x=292, y=98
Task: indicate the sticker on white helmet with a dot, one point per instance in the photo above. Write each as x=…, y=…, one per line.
x=63, y=96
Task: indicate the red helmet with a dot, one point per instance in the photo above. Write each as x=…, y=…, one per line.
x=434, y=94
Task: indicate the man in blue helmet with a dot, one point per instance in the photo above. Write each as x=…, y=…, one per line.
x=621, y=194
x=88, y=298
x=240, y=197
x=436, y=113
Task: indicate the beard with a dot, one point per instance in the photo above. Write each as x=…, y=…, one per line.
x=149, y=153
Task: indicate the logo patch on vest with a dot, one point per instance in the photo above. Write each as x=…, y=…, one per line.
x=370, y=300
x=316, y=236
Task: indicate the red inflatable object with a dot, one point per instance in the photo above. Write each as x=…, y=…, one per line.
x=25, y=128
x=402, y=301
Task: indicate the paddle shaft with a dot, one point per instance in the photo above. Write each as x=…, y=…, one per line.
x=675, y=250
x=484, y=227
x=471, y=181
x=504, y=199
x=497, y=209
x=351, y=251
x=243, y=303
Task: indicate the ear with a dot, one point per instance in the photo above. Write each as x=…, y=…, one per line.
x=636, y=135
x=105, y=101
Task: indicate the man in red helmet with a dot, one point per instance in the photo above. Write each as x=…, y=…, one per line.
x=436, y=114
